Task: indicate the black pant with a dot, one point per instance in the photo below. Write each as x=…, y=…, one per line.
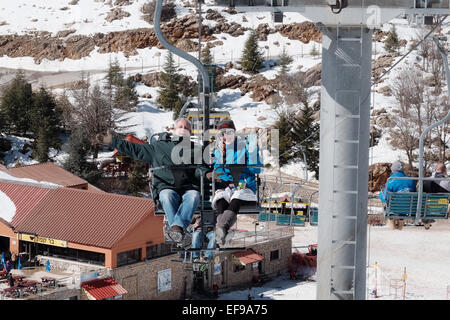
x=227, y=212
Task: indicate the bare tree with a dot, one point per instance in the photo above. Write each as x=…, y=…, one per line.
x=93, y=112
x=418, y=107
x=408, y=123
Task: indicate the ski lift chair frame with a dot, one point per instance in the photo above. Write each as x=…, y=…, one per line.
x=403, y=205
x=292, y=219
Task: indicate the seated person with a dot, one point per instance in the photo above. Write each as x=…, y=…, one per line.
x=439, y=186
x=197, y=235
x=179, y=200
x=228, y=197
x=397, y=185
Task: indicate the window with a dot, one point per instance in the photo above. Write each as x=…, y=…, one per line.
x=274, y=255
x=128, y=257
x=71, y=254
x=238, y=267
x=158, y=250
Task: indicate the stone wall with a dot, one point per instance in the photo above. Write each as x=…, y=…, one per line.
x=229, y=277
x=141, y=279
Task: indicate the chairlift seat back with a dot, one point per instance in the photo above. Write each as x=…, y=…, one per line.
x=403, y=205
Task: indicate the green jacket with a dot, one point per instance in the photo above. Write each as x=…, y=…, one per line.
x=158, y=154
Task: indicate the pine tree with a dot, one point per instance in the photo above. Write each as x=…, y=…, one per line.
x=79, y=146
x=41, y=145
x=207, y=60
x=306, y=132
x=314, y=52
x=121, y=91
x=392, y=42
x=137, y=178
x=169, y=97
x=115, y=76
x=126, y=97
x=283, y=126
x=45, y=119
x=285, y=61
x=77, y=161
x=252, y=58
x=16, y=101
x=206, y=56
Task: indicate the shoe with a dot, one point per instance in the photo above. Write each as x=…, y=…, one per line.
x=175, y=234
x=167, y=238
x=219, y=236
x=228, y=238
x=186, y=240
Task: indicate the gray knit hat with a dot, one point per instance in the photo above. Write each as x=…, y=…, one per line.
x=396, y=167
x=226, y=123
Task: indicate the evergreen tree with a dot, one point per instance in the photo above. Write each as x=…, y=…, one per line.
x=207, y=60
x=126, y=97
x=41, y=145
x=206, y=56
x=137, y=178
x=122, y=93
x=392, y=42
x=45, y=124
x=169, y=97
x=306, y=132
x=283, y=126
x=79, y=146
x=252, y=58
x=314, y=52
x=15, y=105
x=115, y=76
x=285, y=61
x=77, y=161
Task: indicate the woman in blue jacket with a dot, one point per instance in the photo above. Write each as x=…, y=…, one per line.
x=228, y=197
x=397, y=185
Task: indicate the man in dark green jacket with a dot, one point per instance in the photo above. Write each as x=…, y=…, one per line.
x=179, y=197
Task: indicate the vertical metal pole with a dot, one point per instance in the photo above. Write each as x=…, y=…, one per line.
x=344, y=158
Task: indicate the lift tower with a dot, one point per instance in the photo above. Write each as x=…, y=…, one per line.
x=347, y=27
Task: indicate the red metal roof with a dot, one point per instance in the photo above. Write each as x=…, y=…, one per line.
x=129, y=138
x=48, y=172
x=84, y=217
x=25, y=198
x=103, y=288
x=248, y=256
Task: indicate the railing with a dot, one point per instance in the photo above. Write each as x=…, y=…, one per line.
x=251, y=237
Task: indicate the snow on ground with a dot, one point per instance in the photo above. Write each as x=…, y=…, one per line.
x=424, y=254
x=15, y=154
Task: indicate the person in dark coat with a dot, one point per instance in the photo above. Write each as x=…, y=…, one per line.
x=179, y=198
x=438, y=186
x=7, y=266
x=10, y=280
